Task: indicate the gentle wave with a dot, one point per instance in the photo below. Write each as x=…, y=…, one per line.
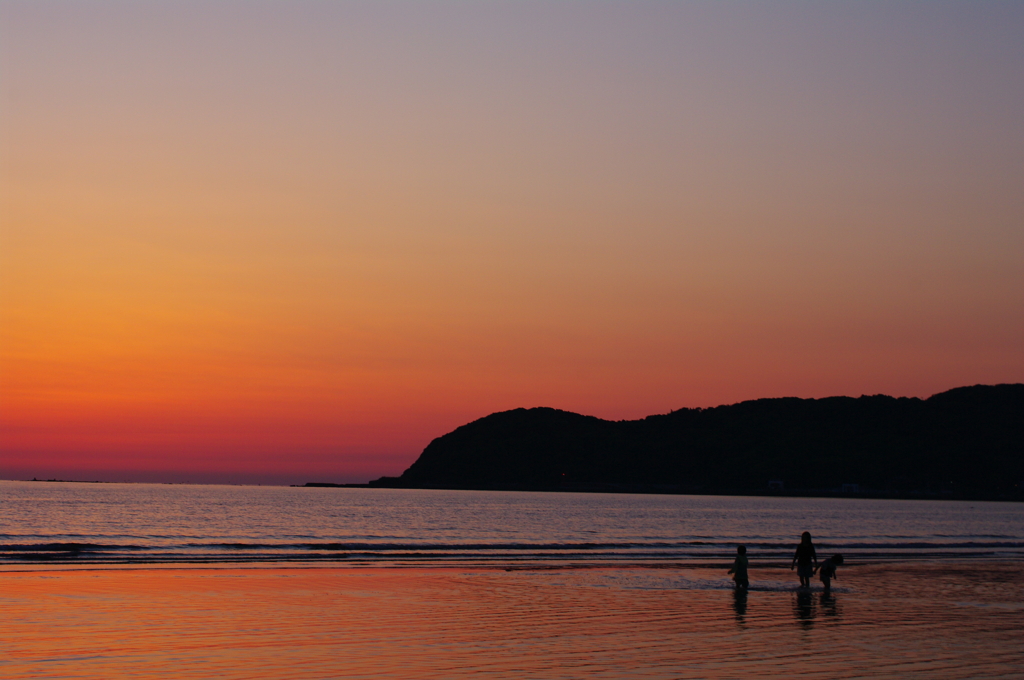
x=126, y=524
x=92, y=547
x=703, y=551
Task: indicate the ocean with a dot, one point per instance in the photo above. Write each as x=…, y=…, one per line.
x=77, y=524
x=101, y=581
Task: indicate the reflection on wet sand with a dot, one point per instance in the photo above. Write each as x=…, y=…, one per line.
x=739, y=604
x=803, y=607
x=647, y=624
x=829, y=605
x=807, y=606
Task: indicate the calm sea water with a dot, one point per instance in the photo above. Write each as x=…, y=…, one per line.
x=152, y=523
x=296, y=583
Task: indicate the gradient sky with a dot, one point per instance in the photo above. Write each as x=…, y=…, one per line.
x=289, y=242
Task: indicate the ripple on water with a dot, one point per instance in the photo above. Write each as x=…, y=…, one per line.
x=888, y=621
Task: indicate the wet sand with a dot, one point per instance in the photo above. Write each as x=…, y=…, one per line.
x=931, y=620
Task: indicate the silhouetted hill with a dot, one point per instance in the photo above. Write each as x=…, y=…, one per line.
x=964, y=443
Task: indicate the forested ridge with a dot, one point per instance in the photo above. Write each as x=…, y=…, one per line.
x=966, y=442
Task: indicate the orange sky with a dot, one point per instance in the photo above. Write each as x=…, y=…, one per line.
x=286, y=243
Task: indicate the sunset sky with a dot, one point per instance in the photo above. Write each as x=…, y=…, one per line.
x=289, y=242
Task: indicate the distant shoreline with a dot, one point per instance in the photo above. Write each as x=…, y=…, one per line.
x=389, y=483
x=872, y=494
x=69, y=481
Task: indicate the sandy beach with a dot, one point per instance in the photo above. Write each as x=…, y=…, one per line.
x=936, y=620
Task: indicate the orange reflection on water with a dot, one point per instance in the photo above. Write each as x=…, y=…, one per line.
x=444, y=623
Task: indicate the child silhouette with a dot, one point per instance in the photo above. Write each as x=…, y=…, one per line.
x=805, y=560
x=827, y=571
x=739, y=568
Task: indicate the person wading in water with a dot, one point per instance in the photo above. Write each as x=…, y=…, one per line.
x=805, y=560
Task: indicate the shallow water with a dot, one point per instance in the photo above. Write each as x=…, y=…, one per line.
x=151, y=523
x=948, y=620
x=459, y=584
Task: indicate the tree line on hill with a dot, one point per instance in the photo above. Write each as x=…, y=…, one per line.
x=964, y=443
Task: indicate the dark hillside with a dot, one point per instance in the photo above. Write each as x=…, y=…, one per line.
x=967, y=442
